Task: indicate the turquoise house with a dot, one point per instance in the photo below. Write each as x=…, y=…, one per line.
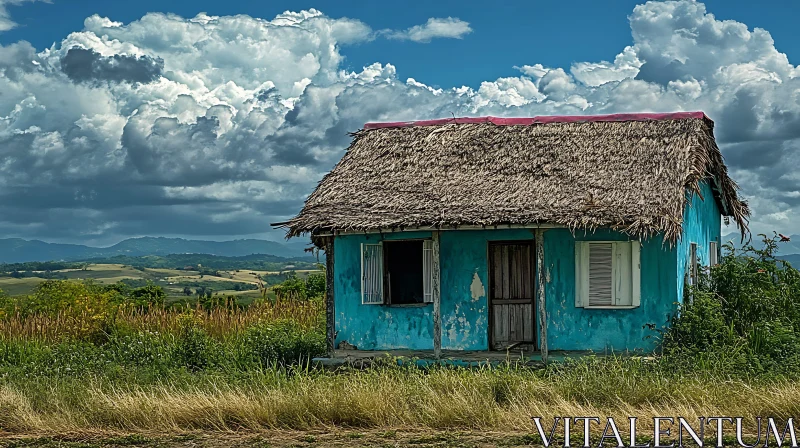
x=570, y=233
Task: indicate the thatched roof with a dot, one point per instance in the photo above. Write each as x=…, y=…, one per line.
x=633, y=173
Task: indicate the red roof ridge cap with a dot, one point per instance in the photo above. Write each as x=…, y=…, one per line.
x=542, y=119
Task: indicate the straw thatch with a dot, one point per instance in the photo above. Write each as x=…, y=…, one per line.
x=632, y=176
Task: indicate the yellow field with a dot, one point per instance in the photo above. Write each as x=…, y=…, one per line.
x=18, y=286
x=167, y=278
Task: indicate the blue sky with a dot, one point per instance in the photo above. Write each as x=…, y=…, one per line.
x=118, y=119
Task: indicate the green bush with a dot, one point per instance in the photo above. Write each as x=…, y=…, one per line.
x=148, y=295
x=315, y=285
x=281, y=343
x=144, y=349
x=194, y=349
x=743, y=316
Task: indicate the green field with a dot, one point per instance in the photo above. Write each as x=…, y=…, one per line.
x=173, y=281
x=19, y=286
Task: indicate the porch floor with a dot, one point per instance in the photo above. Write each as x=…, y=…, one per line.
x=465, y=358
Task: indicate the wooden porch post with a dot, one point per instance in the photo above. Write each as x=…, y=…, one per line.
x=330, y=333
x=540, y=299
x=437, y=309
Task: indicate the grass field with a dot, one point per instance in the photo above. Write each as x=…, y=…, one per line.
x=19, y=286
x=172, y=280
x=447, y=405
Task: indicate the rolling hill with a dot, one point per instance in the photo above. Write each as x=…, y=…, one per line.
x=17, y=250
x=786, y=248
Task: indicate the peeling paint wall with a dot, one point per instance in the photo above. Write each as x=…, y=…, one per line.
x=375, y=327
x=606, y=330
x=464, y=303
x=702, y=224
x=464, y=290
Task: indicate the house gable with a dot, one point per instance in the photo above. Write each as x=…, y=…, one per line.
x=702, y=224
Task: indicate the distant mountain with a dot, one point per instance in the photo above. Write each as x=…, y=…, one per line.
x=786, y=248
x=16, y=250
x=794, y=259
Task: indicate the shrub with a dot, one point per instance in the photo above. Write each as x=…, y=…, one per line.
x=292, y=288
x=315, y=286
x=281, y=343
x=744, y=316
x=194, y=349
x=142, y=349
x=148, y=295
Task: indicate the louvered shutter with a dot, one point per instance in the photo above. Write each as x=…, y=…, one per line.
x=600, y=274
x=581, y=274
x=713, y=253
x=427, y=271
x=636, y=273
x=607, y=274
x=371, y=274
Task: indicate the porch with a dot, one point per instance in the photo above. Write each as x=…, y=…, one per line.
x=460, y=358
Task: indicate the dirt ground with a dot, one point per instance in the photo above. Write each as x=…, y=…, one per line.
x=335, y=438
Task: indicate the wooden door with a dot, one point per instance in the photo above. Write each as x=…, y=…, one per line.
x=511, y=292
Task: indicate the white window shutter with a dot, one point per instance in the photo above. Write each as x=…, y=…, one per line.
x=601, y=278
x=427, y=271
x=636, y=274
x=713, y=253
x=693, y=264
x=581, y=273
x=371, y=274
x=621, y=268
x=607, y=274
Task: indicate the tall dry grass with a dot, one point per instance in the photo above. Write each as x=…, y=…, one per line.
x=382, y=398
x=219, y=321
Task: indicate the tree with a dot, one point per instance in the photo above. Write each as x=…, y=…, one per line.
x=315, y=285
x=187, y=291
x=148, y=295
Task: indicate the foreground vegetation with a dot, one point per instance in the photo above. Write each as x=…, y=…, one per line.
x=80, y=357
x=382, y=397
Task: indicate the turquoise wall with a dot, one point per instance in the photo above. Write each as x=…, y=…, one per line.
x=464, y=284
x=702, y=223
x=605, y=330
x=374, y=327
x=464, y=288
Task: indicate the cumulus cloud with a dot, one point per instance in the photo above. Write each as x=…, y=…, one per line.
x=434, y=28
x=220, y=125
x=89, y=66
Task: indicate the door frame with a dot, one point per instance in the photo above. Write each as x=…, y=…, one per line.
x=489, y=296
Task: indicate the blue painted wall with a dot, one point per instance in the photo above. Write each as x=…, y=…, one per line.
x=374, y=327
x=465, y=285
x=702, y=223
x=464, y=290
x=606, y=330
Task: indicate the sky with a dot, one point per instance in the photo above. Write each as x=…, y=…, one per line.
x=213, y=119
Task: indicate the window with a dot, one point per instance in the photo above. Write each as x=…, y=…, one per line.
x=693, y=264
x=397, y=272
x=607, y=274
x=713, y=253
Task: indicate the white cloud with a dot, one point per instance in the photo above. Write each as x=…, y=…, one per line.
x=221, y=125
x=434, y=28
